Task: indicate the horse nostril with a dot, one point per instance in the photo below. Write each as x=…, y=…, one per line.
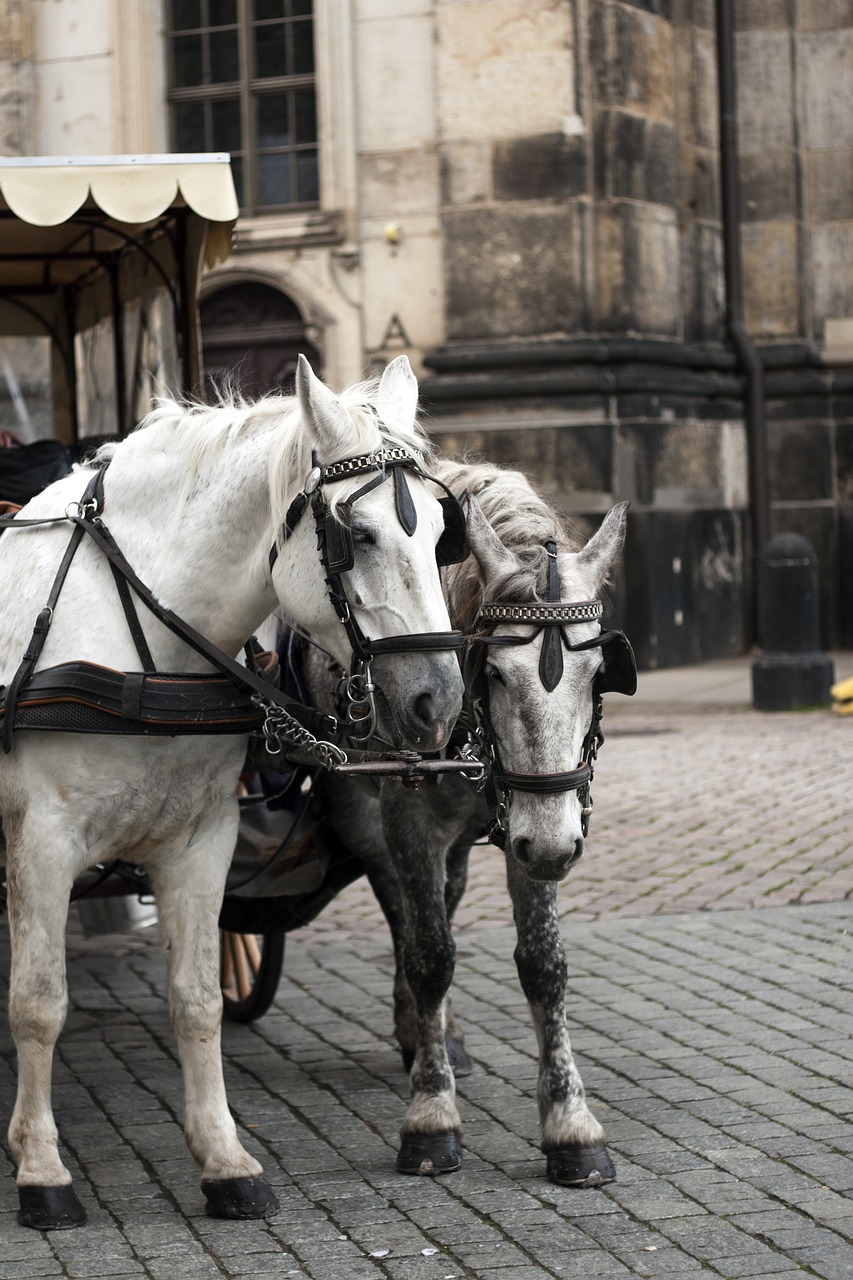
x=521, y=849
x=578, y=852
x=425, y=709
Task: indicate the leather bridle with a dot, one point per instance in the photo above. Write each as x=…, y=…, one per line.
x=337, y=553
x=551, y=618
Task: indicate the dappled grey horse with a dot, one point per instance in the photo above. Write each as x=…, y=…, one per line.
x=536, y=666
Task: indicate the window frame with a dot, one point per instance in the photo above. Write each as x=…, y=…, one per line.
x=248, y=91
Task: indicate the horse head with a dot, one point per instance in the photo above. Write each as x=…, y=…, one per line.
x=362, y=575
x=537, y=664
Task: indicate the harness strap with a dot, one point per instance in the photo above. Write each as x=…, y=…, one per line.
x=92, y=500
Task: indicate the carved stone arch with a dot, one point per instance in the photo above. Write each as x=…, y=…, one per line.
x=252, y=334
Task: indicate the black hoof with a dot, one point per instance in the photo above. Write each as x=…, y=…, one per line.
x=581, y=1166
x=429, y=1154
x=239, y=1198
x=50, y=1208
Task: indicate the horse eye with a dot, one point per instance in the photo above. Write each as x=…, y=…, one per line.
x=492, y=672
x=362, y=534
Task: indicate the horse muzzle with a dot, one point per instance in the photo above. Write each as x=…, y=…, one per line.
x=543, y=865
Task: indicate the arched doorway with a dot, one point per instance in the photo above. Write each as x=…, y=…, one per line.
x=252, y=335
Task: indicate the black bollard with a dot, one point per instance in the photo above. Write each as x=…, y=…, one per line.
x=790, y=671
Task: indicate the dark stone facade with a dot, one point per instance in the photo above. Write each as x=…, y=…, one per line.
x=586, y=293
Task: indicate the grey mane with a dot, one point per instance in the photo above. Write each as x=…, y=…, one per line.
x=522, y=519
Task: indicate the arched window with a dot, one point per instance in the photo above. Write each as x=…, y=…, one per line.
x=241, y=79
x=252, y=336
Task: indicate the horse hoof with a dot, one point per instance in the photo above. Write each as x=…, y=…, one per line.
x=239, y=1198
x=458, y=1056
x=429, y=1154
x=581, y=1166
x=50, y=1208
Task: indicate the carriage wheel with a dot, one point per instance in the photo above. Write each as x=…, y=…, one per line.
x=249, y=972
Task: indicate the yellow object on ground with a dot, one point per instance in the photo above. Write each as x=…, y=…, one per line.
x=842, y=697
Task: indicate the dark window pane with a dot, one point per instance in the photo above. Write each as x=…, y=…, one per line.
x=226, y=125
x=273, y=121
x=186, y=14
x=308, y=188
x=222, y=13
x=269, y=51
x=274, y=180
x=224, y=60
x=268, y=9
x=303, y=47
x=189, y=69
x=188, y=119
x=306, y=116
x=301, y=8
x=237, y=172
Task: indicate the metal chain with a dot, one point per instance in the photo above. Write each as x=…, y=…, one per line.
x=281, y=730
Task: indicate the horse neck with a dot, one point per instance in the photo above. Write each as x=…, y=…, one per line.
x=204, y=556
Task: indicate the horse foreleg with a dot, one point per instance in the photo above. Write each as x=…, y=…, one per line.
x=189, y=893
x=431, y=1131
x=38, y=1002
x=572, y=1138
x=454, y=888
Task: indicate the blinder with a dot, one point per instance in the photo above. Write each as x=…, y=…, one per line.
x=451, y=548
x=619, y=673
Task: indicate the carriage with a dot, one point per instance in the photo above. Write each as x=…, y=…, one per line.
x=148, y=800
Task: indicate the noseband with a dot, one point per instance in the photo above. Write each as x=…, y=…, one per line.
x=550, y=617
x=337, y=553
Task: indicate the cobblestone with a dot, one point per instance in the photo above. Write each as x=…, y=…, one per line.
x=709, y=933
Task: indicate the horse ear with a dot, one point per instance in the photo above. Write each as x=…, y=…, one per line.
x=323, y=412
x=397, y=397
x=605, y=546
x=490, y=553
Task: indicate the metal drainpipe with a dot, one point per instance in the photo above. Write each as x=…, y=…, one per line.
x=750, y=361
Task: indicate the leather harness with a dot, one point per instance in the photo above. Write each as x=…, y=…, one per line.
x=84, y=697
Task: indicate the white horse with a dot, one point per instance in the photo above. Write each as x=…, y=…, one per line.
x=195, y=499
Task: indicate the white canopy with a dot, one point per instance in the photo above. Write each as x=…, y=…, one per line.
x=83, y=236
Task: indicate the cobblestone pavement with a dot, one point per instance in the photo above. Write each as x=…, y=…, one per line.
x=709, y=938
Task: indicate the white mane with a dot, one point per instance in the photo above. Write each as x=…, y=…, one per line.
x=197, y=435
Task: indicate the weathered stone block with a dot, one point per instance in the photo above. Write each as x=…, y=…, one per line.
x=824, y=15
x=826, y=80
x=466, y=172
x=636, y=158
x=771, y=278
x=703, y=82
x=641, y=69
x=638, y=273
x=768, y=186
x=831, y=252
x=829, y=184
x=548, y=167
x=799, y=461
x=661, y=8
x=765, y=92
x=699, y=184
x=395, y=67
x=399, y=183
x=512, y=272
x=504, y=70
x=761, y=15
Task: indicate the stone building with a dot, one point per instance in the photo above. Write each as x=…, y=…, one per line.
x=529, y=197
